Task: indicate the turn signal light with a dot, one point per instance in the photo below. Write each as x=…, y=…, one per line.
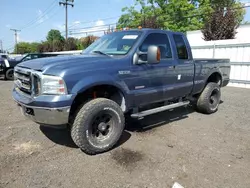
x=158, y=57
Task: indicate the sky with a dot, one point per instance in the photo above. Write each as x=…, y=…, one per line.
x=35, y=18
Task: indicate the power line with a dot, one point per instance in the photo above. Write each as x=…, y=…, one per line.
x=44, y=13
x=51, y=16
x=108, y=18
x=246, y=6
x=86, y=32
x=93, y=27
x=1, y=45
x=66, y=4
x=15, y=31
x=10, y=48
x=74, y=25
x=104, y=19
x=232, y=9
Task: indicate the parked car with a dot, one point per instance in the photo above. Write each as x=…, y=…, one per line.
x=31, y=56
x=7, y=65
x=4, y=56
x=132, y=73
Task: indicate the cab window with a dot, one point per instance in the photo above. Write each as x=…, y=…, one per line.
x=158, y=39
x=180, y=47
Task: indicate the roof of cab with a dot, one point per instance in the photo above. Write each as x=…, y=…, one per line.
x=145, y=30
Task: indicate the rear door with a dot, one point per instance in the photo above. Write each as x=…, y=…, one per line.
x=184, y=66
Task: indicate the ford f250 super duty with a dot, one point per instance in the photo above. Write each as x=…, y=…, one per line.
x=133, y=72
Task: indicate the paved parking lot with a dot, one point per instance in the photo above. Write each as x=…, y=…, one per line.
x=181, y=146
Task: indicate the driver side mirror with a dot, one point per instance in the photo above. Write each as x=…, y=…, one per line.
x=152, y=56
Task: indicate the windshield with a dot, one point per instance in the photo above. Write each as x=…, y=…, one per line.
x=117, y=43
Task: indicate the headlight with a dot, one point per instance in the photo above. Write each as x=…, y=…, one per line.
x=52, y=85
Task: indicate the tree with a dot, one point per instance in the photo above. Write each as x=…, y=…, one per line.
x=45, y=47
x=175, y=15
x=33, y=46
x=57, y=45
x=79, y=45
x=134, y=18
x=21, y=48
x=40, y=48
x=224, y=20
x=86, y=41
x=54, y=35
x=26, y=47
x=70, y=44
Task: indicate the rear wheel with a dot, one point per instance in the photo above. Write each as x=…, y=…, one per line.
x=209, y=99
x=9, y=74
x=98, y=126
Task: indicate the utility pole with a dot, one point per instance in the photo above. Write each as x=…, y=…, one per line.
x=66, y=4
x=15, y=30
x=1, y=46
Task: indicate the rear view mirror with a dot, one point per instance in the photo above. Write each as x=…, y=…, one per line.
x=154, y=54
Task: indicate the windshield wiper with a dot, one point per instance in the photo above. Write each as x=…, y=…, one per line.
x=100, y=52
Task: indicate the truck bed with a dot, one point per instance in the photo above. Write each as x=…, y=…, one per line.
x=204, y=67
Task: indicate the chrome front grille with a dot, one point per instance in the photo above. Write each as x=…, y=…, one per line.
x=23, y=80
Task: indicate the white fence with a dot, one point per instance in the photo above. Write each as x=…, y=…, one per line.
x=238, y=53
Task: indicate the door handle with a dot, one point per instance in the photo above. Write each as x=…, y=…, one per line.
x=172, y=67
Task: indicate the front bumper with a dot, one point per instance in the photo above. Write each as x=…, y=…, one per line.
x=47, y=110
x=46, y=116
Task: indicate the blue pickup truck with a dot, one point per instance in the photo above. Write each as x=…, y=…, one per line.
x=132, y=73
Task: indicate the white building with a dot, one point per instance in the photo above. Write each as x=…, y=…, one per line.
x=237, y=50
x=196, y=37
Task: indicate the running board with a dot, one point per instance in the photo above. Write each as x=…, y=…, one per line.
x=160, y=109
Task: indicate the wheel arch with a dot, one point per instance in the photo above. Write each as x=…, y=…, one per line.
x=215, y=77
x=105, y=90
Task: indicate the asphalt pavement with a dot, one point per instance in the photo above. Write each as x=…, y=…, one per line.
x=179, y=146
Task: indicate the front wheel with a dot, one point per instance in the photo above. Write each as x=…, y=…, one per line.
x=98, y=126
x=9, y=74
x=209, y=99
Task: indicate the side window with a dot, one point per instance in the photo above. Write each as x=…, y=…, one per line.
x=181, y=47
x=159, y=39
x=28, y=57
x=34, y=56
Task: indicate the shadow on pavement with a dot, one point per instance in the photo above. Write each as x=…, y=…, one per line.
x=58, y=136
x=124, y=138
x=158, y=120
x=62, y=136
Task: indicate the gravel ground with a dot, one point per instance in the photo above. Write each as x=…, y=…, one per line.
x=181, y=146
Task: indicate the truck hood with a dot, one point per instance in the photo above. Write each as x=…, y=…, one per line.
x=62, y=62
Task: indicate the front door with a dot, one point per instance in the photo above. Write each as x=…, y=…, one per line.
x=161, y=76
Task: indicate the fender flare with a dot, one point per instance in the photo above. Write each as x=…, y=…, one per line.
x=92, y=81
x=213, y=71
